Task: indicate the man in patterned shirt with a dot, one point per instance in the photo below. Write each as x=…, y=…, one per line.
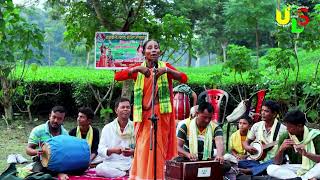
x=200, y=137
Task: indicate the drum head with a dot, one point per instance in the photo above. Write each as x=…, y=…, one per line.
x=45, y=155
x=258, y=146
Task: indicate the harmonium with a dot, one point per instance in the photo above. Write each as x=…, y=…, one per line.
x=201, y=170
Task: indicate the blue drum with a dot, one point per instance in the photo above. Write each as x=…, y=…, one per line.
x=66, y=154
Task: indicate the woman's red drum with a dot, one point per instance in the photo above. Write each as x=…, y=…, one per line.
x=181, y=105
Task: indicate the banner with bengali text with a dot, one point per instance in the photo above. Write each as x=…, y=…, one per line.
x=119, y=50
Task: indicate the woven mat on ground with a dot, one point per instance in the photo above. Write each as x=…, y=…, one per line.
x=91, y=175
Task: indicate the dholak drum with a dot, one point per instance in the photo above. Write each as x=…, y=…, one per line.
x=181, y=105
x=65, y=154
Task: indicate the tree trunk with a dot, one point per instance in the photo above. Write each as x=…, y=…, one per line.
x=109, y=101
x=257, y=40
x=224, y=51
x=6, y=102
x=298, y=69
x=49, y=55
x=198, y=60
x=88, y=58
x=29, y=113
x=316, y=72
x=209, y=59
x=189, y=55
x=127, y=89
x=103, y=19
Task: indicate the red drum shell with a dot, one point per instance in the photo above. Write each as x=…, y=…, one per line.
x=181, y=105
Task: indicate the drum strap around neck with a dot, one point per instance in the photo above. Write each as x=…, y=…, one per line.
x=276, y=131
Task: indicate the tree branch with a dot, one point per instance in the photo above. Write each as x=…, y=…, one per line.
x=46, y=94
x=316, y=72
x=132, y=17
x=172, y=52
x=177, y=60
x=103, y=20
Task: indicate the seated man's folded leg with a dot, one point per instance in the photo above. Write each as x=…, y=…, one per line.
x=313, y=173
x=281, y=172
x=247, y=163
x=260, y=168
x=107, y=171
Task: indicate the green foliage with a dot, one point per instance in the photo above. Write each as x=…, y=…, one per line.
x=311, y=35
x=313, y=115
x=239, y=59
x=62, y=61
x=19, y=42
x=175, y=29
x=82, y=94
x=173, y=32
x=280, y=58
x=211, y=28
x=17, y=46
x=81, y=24
x=104, y=113
x=200, y=76
x=245, y=18
x=312, y=89
x=67, y=74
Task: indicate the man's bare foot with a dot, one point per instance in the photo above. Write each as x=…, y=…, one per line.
x=63, y=176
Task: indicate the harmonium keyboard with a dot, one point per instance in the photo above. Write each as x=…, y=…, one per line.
x=201, y=170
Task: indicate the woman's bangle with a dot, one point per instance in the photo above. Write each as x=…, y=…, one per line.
x=166, y=69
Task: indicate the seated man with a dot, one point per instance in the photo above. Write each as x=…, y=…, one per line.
x=198, y=137
x=84, y=130
x=193, y=112
x=40, y=134
x=266, y=131
x=238, y=137
x=301, y=145
x=117, y=142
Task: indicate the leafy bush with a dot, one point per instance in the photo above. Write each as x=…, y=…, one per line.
x=62, y=61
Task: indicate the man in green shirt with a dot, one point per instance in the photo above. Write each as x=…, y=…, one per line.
x=301, y=147
x=198, y=137
x=42, y=133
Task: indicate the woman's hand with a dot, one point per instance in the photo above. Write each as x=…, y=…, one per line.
x=144, y=70
x=162, y=71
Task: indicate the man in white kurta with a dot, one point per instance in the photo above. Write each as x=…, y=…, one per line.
x=117, y=143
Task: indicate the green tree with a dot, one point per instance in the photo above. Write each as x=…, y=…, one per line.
x=211, y=29
x=239, y=61
x=19, y=42
x=76, y=34
x=200, y=14
x=248, y=17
